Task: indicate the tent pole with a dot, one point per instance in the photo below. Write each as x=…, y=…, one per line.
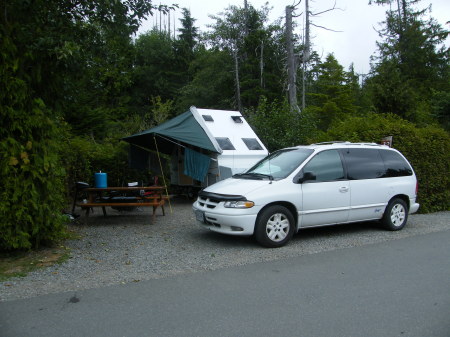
x=162, y=172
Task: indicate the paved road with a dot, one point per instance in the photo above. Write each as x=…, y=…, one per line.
x=395, y=288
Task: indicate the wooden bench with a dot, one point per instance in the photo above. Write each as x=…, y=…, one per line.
x=155, y=204
x=152, y=200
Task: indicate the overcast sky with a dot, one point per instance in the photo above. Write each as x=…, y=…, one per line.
x=355, y=19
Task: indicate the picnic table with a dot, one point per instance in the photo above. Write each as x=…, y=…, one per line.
x=129, y=196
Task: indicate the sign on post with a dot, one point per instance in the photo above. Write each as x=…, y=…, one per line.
x=387, y=141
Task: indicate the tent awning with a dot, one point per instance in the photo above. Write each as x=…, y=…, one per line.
x=183, y=129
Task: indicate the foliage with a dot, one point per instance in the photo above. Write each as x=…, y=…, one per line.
x=154, y=73
x=87, y=157
x=427, y=149
x=412, y=63
x=157, y=113
x=279, y=126
x=255, y=49
x=31, y=174
x=58, y=59
x=188, y=38
x=332, y=96
x=82, y=156
x=212, y=84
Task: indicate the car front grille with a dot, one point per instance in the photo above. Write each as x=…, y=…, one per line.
x=210, y=203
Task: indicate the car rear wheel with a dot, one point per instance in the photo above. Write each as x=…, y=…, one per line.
x=396, y=215
x=274, y=226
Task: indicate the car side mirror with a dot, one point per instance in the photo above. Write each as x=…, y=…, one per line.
x=307, y=176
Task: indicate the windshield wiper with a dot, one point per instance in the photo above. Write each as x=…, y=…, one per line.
x=254, y=175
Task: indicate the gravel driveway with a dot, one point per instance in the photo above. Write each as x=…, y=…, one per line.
x=125, y=247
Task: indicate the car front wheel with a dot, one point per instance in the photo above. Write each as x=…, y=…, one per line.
x=274, y=226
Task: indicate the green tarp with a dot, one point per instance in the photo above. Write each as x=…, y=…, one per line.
x=183, y=129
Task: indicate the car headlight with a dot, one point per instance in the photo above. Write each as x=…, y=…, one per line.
x=239, y=204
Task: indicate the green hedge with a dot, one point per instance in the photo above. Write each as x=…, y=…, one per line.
x=31, y=173
x=427, y=149
x=84, y=157
x=278, y=126
x=32, y=178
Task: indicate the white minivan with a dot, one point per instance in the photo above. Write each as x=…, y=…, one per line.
x=309, y=186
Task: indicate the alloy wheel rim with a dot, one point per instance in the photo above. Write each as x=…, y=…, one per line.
x=397, y=215
x=277, y=227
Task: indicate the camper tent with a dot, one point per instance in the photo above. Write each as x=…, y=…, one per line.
x=205, y=145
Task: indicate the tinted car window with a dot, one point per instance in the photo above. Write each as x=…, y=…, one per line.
x=396, y=165
x=364, y=164
x=326, y=166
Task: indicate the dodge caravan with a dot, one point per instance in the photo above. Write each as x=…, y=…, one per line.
x=309, y=186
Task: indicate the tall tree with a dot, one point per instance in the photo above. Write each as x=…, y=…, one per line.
x=155, y=73
x=185, y=46
x=228, y=34
x=332, y=94
x=188, y=37
x=254, y=47
x=212, y=85
x=291, y=61
x=411, y=64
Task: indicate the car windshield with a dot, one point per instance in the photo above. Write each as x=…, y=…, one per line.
x=278, y=165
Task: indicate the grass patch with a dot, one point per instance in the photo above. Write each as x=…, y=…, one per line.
x=20, y=263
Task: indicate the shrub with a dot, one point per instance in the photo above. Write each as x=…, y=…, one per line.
x=278, y=126
x=32, y=178
x=427, y=149
x=84, y=157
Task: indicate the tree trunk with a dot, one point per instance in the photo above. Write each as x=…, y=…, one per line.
x=261, y=65
x=238, y=86
x=306, y=53
x=291, y=64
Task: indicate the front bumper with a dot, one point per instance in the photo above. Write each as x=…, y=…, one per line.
x=227, y=220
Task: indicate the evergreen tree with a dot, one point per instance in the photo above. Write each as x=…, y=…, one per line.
x=212, y=83
x=411, y=65
x=188, y=37
x=333, y=93
x=185, y=47
x=154, y=72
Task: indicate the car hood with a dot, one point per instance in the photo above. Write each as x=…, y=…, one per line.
x=232, y=186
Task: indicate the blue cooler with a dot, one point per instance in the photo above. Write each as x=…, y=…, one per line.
x=101, y=180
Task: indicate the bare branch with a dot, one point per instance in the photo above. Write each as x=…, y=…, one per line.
x=298, y=3
x=332, y=30
x=327, y=10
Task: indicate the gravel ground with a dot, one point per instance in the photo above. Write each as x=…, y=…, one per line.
x=125, y=247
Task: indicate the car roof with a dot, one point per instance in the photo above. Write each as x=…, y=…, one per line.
x=341, y=145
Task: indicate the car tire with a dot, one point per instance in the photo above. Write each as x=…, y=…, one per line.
x=395, y=215
x=274, y=226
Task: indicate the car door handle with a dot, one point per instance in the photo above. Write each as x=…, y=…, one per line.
x=344, y=189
